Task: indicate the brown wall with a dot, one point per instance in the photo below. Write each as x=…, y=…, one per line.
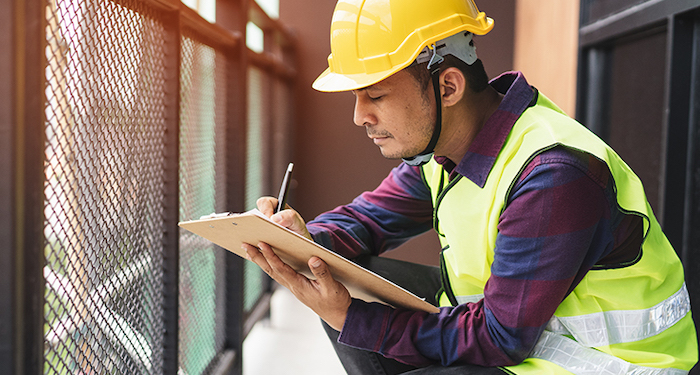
x=334, y=159
x=546, y=47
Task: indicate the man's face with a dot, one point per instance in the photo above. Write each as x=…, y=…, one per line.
x=397, y=115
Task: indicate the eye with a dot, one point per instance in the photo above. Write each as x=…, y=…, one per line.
x=375, y=98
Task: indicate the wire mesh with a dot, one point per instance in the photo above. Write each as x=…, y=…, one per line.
x=254, y=279
x=282, y=115
x=105, y=127
x=202, y=184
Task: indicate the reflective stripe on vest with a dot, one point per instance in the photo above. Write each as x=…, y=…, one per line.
x=615, y=327
x=581, y=360
x=466, y=299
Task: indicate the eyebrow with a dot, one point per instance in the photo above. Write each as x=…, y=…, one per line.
x=358, y=90
x=365, y=88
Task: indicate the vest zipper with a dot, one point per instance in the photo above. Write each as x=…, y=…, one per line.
x=445, y=281
x=441, y=194
x=444, y=275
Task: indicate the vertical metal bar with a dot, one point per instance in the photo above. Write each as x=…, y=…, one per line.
x=597, y=99
x=9, y=226
x=690, y=254
x=29, y=183
x=584, y=12
x=233, y=15
x=171, y=256
x=691, y=232
x=236, y=176
x=676, y=125
x=234, y=306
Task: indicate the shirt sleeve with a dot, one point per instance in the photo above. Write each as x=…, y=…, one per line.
x=379, y=220
x=553, y=229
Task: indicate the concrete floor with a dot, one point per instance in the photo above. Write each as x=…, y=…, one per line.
x=291, y=342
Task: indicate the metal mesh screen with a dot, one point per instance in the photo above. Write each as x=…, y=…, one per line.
x=202, y=184
x=283, y=115
x=253, y=276
x=104, y=188
x=108, y=209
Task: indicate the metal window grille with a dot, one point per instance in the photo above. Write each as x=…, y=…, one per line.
x=254, y=278
x=103, y=189
x=202, y=192
x=132, y=115
x=282, y=121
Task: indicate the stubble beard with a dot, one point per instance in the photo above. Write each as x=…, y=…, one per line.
x=407, y=153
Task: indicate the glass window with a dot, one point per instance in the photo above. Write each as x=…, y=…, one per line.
x=271, y=7
x=205, y=8
x=254, y=37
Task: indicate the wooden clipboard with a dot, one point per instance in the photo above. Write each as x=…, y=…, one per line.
x=230, y=231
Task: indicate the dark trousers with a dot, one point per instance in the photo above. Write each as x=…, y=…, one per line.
x=421, y=280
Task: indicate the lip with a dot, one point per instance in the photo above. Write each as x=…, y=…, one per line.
x=378, y=140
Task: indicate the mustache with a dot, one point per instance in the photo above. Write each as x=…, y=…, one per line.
x=373, y=133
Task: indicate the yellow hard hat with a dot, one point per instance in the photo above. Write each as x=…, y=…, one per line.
x=373, y=39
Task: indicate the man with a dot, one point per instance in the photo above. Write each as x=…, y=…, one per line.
x=552, y=259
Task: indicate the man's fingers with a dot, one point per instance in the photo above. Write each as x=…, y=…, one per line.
x=282, y=272
x=253, y=254
x=320, y=270
x=291, y=220
x=267, y=205
x=327, y=297
x=287, y=218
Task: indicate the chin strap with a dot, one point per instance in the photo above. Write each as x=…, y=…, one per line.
x=427, y=154
x=460, y=46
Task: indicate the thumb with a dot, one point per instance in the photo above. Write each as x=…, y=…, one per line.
x=320, y=269
x=291, y=220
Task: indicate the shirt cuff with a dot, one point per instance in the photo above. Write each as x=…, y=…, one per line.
x=320, y=236
x=365, y=325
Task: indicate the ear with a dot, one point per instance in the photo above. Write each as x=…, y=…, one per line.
x=452, y=86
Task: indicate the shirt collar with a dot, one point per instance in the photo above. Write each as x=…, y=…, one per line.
x=478, y=161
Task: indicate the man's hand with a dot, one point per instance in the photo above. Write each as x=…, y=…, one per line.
x=325, y=296
x=287, y=218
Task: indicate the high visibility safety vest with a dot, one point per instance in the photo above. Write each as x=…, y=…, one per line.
x=634, y=319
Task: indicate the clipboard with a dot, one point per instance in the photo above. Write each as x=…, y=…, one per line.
x=230, y=231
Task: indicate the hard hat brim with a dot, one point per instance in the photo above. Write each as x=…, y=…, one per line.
x=333, y=82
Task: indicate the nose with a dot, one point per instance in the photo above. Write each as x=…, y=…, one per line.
x=363, y=115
